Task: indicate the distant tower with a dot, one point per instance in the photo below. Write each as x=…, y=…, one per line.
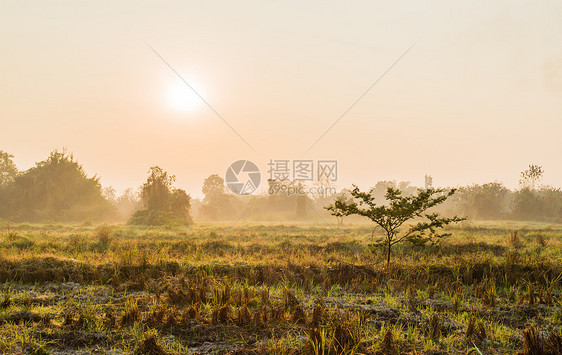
x=428, y=182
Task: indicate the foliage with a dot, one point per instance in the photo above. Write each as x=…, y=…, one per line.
x=163, y=203
x=154, y=218
x=343, y=198
x=156, y=191
x=56, y=189
x=213, y=186
x=544, y=204
x=128, y=203
x=399, y=210
x=8, y=172
x=531, y=176
x=217, y=204
x=8, y=169
x=180, y=205
x=288, y=196
x=487, y=201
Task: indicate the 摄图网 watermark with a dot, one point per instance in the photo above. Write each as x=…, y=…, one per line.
x=285, y=176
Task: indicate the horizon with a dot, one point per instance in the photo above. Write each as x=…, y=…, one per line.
x=261, y=190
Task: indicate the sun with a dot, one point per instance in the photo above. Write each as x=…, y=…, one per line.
x=180, y=97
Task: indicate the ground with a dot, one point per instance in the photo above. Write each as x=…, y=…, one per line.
x=259, y=289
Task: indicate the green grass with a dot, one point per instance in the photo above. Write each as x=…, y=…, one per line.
x=277, y=289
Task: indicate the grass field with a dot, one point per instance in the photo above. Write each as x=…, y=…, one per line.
x=281, y=289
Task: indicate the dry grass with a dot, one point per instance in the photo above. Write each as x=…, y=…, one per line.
x=277, y=289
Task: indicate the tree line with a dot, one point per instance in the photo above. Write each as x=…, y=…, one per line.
x=57, y=189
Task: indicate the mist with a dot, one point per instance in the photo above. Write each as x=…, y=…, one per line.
x=296, y=177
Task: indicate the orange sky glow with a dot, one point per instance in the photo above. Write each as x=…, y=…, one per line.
x=477, y=99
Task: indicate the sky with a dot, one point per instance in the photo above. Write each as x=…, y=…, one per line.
x=476, y=99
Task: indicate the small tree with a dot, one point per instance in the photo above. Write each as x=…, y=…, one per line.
x=157, y=189
x=213, y=186
x=396, y=212
x=163, y=204
x=218, y=204
x=180, y=205
x=531, y=176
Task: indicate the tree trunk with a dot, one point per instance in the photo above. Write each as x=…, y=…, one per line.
x=388, y=254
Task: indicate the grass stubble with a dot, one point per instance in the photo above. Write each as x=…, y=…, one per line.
x=278, y=289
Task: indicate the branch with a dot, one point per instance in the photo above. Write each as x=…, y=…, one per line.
x=418, y=230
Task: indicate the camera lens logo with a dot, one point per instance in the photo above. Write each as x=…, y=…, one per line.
x=243, y=177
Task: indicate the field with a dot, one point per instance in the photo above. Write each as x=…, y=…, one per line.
x=281, y=289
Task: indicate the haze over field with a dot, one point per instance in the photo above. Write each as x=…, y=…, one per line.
x=280, y=177
x=477, y=98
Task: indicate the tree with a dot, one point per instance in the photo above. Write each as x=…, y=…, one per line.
x=8, y=173
x=57, y=188
x=343, y=198
x=379, y=190
x=8, y=169
x=289, y=195
x=551, y=201
x=110, y=194
x=156, y=190
x=180, y=205
x=531, y=176
x=324, y=188
x=527, y=204
x=213, y=186
x=163, y=204
x=487, y=201
x=128, y=203
x=398, y=210
x=217, y=203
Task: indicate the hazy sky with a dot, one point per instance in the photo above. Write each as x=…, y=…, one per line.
x=477, y=99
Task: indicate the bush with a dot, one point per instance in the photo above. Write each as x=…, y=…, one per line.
x=156, y=218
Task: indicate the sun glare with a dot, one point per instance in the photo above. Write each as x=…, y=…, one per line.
x=180, y=97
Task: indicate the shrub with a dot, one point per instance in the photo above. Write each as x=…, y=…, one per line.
x=155, y=218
